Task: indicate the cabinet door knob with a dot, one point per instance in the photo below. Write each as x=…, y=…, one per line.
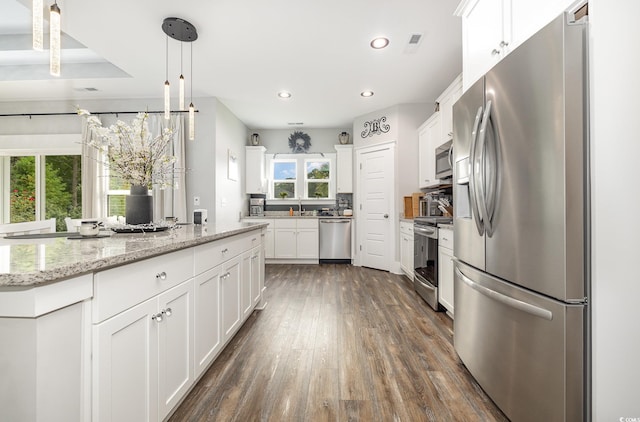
x=161, y=276
x=225, y=250
x=503, y=43
x=386, y=216
x=167, y=312
x=157, y=317
x=495, y=52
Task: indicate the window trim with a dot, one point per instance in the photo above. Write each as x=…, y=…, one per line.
x=301, y=179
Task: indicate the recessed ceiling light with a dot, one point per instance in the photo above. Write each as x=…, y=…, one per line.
x=379, y=42
x=284, y=94
x=366, y=93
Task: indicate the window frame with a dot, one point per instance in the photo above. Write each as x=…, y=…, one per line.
x=301, y=187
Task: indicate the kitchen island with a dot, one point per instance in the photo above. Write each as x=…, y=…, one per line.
x=120, y=327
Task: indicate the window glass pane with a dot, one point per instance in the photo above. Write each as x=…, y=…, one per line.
x=318, y=189
x=22, y=176
x=63, y=194
x=284, y=190
x=116, y=205
x=284, y=170
x=317, y=169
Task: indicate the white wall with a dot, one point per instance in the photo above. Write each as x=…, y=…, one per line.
x=231, y=135
x=201, y=152
x=277, y=140
x=615, y=84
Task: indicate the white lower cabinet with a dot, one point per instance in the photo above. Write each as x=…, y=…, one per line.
x=146, y=357
x=143, y=358
x=230, y=298
x=297, y=238
x=406, y=248
x=445, y=268
x=257, y=275
x=208, y=341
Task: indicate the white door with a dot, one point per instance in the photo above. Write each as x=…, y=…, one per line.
x=175, y=346
x=125, y=366
x=207, y=318
x=375, y=177
x=230, y=288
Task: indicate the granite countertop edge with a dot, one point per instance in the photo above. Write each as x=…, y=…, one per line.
x=63, y=272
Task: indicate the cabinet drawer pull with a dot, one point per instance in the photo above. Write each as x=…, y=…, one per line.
x=225, y=250
x=161, y=276
x=254, y=239
x=445, y=239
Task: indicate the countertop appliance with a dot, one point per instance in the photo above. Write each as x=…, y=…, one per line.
x=443, y=160
x=425, y=258
x=256, y=207
x=521, y=227
x=335, y=239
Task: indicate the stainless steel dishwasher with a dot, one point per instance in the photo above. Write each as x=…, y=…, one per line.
x=335, y=239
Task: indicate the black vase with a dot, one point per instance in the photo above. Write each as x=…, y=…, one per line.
x=139, y=206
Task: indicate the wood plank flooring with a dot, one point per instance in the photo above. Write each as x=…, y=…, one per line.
x=339, y=343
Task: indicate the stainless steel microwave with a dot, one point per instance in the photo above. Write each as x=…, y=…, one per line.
x=444, y=155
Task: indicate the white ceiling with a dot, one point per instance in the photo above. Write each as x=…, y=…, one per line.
x=247, y=51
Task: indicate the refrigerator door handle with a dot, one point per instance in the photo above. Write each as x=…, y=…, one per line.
x=479, y=170
x=477, y=217
x=490, y=167
x=506, y=300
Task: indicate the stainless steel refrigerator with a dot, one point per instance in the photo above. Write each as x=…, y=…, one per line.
x=521, y=227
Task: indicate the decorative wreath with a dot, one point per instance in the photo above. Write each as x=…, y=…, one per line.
x=299, y=142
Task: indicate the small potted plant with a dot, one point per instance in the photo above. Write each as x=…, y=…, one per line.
x=283, y=195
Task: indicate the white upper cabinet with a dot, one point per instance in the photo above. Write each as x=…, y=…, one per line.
x=446, y=101
x=493, y=28
x=255, y=181
x=486, y=36
x=429, y=137
x=344, y=164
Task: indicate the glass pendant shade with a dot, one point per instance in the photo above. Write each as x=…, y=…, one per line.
x=192, y=122
x=181, y=93
x=38, y=25
x=167, y=100
x=54, y=40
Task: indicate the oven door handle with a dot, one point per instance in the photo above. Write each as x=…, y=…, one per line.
x=425, y=231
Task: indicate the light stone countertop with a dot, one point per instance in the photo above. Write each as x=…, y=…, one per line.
x=30, y=262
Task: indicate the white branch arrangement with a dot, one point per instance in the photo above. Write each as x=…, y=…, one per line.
x=133, y=154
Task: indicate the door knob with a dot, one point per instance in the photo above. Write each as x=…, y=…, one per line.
x=386, y=216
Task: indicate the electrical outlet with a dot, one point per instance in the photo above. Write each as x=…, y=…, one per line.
x=196, y=200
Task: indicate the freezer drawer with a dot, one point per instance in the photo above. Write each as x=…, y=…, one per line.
x=525, y=350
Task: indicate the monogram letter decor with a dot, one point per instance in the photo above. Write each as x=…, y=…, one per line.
x=375, y=127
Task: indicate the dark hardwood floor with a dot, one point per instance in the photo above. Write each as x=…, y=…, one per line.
x=339, y=343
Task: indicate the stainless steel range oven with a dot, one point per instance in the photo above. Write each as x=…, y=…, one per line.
x=425, y=258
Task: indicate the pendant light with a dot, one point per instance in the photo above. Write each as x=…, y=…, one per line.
x=181, y=84
x=37, y=24
x=183, y=31
x=167, y=86
x=54, y=40
x=192, y=110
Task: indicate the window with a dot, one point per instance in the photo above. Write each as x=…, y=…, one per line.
x=285, y=174
x=42, y=187
x=305, y=176
x=40, y=178
x=317, y=178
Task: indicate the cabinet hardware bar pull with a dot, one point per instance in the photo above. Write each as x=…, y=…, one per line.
x=161, y=276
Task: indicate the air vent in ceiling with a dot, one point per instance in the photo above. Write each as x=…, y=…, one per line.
x=414, y=42
x=415, y=38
